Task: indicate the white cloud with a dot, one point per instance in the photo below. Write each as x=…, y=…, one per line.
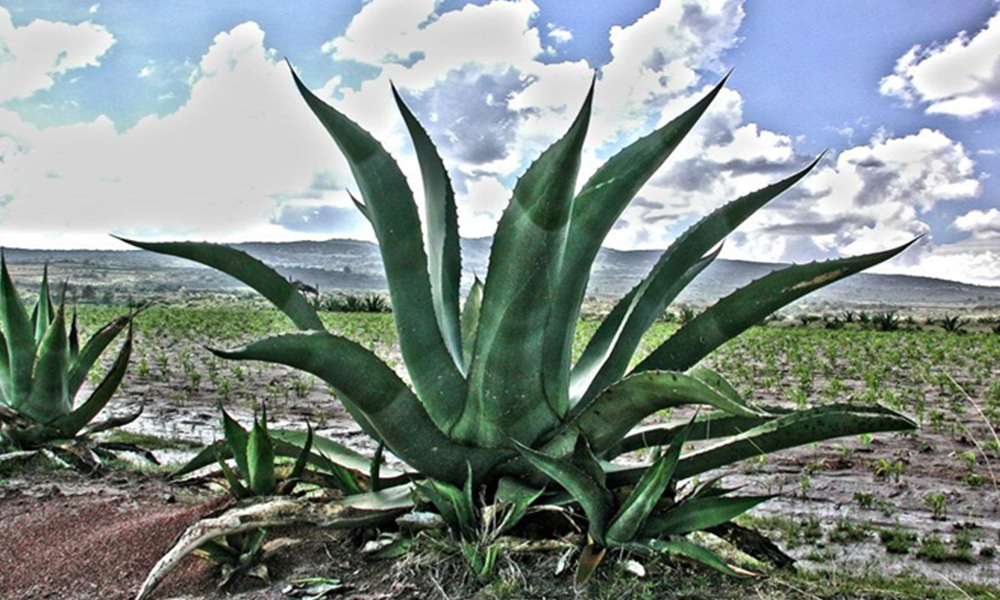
x=218, y=168
x=560, y=35
x=983, y=223
x=33, y=56
x=959, y=78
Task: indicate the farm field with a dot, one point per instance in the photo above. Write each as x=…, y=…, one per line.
x=925, y=504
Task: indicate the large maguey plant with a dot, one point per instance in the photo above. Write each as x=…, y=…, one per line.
x=42, y=369
x=498, y=413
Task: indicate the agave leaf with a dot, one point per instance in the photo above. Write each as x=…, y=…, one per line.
x=6, y=380
x=749, y=305
x=92, y=350
x=506, y=384
x=237, y=441
x=519, y=496
x=435, y=373
x=374, y=395
x=787, y=431
x=470, y=321
x=595, y=210
x=44, y=312
x=699, y=554
x=336, y=453
x=609, y=351
x=444, y=260
x=708, y=426
x=236, y=487
x=247, y=269
x=303, y=458
x=590, y=558
x=647, y=493
x=719, y=383
x=16, y=328
x=699, y=514
x=71, y=424
x=453, y=504
x=50, y=397
x=595, y=498
x=608, y=418
x=361, y=207
x=260, y=458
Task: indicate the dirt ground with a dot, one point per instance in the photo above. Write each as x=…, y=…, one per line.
x=71, y=536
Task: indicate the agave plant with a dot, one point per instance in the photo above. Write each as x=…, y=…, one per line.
x=43, y=367
x=497, y=405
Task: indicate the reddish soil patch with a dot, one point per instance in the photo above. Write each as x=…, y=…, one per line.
x=80, y=539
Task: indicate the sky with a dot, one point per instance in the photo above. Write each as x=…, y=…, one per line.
x=179, y=119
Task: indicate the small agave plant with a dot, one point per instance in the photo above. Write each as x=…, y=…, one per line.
x=43, y=367
x=498, y=413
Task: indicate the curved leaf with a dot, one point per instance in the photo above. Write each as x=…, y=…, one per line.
x=707, y=426
x=647, y=493
x=470, y=321
x=608, y=418
x=50, y=397
x=236, y=263
x=787, y=431
x=393, y=213
x=699, y=514
x=375, y=397
x=749, y=305
x=88, y=355
x=444, y=255
x=69, y=425
x=596, y=208
x=699, y=554
x=507, y=394
x=20, y=339
x=590, y=491
x=609, y=352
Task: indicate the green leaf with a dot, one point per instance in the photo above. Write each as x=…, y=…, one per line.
x=247, y=269
x=506, y=386
x=444, y=260
x=454, y=505
x=787, y=431
x=6, y=379
x=20, y=339
x=699, y=514
x=708, y=426
x=44, y=312
x=236, y=487
x=609, y=351
x=699, y=554
x=376, y=398
x=647, y=493
x=717, y=382
x=608, y=418
x=595, y=210
x=237, y=440
x=260, y=458
x=470, y=322
x=92, y=350
x=595, y=498
x=749, y=305
x=71, y=424
x=393, y=214
x=518, y=495
x=50, y=397
x=336, y=453
x=303, y=459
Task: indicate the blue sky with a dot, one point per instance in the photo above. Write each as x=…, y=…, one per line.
x=173, y=120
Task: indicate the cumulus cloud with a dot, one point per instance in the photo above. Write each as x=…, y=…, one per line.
x=220, y=167
x=33, y=56
x=959, y=78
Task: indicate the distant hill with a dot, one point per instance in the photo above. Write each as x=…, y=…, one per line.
x=351, y=265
